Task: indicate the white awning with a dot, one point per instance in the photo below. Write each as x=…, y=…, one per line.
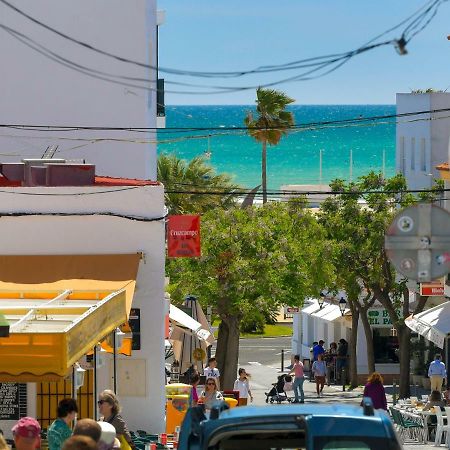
x=433, y=324
x=313, y=307
x=185, y=321
x=329, y=312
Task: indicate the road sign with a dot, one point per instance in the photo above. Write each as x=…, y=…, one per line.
x=292, y=309
x=418, y=242
x=433, y=289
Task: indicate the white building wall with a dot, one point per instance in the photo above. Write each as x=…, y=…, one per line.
x=96, y=234
x=35, y=90
x=422, y=144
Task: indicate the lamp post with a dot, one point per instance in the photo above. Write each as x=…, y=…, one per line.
x=342, y=305
x=321, y=300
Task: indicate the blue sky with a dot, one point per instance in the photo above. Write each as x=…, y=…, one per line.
x=212, y=35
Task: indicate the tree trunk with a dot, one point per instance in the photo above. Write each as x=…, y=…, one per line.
x=227, y=352
x=369, y=340
x=353, y=346
x=264, y=171
x=404, y=343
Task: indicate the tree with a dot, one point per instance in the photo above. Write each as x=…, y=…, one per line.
x=357, y=228
x=253, y=259
x=185, y=184
x=270, y=125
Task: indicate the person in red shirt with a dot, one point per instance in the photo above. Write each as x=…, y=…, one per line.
x=297, y=370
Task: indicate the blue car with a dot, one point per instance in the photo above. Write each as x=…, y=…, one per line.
x=306, y=427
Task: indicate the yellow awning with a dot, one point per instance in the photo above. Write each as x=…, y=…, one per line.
x=50, y=331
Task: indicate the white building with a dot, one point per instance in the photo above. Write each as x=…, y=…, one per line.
x=36, y=90
x=422, y=140
x=112, y=217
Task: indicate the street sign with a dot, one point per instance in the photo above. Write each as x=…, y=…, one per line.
x=292, y=309
x=433, y=289
x=418, y=242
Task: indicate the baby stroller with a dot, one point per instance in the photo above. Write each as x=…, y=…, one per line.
x=278, y=392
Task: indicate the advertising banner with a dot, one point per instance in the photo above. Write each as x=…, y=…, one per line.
x=183, y=236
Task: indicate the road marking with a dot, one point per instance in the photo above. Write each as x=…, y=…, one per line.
x=286, y=351
x=254, y=363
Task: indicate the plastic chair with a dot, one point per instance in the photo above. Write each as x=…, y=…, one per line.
x=442, y=427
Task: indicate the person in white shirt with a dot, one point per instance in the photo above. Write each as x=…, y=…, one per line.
x=211, y=371
x=437, y=373
x=243, y=386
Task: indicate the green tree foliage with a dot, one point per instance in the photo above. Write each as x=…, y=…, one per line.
x=253, y=260
x=270, y=124
x=192, y=179
x=356, y=220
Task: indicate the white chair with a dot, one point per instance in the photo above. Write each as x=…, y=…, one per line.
x=442, y=427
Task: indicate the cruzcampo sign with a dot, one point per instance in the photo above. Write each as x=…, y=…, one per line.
x=379, y=317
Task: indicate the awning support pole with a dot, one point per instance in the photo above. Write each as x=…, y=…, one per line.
x=95, y=383
x=115, y=362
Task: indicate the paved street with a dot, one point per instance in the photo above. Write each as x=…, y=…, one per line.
x=262, y=359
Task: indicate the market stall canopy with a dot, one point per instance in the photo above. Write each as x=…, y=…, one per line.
x=49, y=331
x=183, y=320
x=330, y=312
x=433, y=324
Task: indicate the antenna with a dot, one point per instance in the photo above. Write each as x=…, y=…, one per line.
x=49, y=152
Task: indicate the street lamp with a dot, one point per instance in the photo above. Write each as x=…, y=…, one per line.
x=321, y=300
x=342, y=305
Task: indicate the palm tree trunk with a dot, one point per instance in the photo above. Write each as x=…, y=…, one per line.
x=264, y=171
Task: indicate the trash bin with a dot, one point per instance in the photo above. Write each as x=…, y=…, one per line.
x=176, y=407
x=231, y=402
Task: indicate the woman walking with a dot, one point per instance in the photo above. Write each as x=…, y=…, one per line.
x=109, y=407
x=297, y=371
x=374, y=389
x=59, y=431
x=243, y=386
x=319, y=370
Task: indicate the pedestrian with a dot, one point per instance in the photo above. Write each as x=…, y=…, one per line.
x=435, y=400
x=88, y=427
x=80, y=442
x=27, y=434
x=109, y=407
x=437, y=373
x=108, y=437
x=60, y=429
x=318, y=350
x=330, y=359
x=194, y=383
x=374, y=389
x=319, y=369
x=341, y=358
x=243, y=386
x=211, y=395
x=211, y=371
x=299, y=379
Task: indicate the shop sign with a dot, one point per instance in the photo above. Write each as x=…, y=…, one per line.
x=433, y=289
x=379, y=317
x=134, y=321
x=292, y=309
x=183, y=236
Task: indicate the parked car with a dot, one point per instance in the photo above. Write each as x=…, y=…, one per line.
x=306, y=427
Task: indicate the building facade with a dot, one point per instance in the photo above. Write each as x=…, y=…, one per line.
x=86, y=89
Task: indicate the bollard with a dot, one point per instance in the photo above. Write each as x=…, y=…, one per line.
x=282, y=360
x=394, y=393
x=343, y=379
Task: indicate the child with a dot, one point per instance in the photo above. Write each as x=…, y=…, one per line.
x=242, y=385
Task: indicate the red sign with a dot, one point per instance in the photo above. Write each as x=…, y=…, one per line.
x=183, y=237
x=433, y=289
x=292, y=309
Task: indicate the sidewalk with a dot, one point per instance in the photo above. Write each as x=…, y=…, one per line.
x=263, y=376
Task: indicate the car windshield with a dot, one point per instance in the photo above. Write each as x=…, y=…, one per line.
x=354, y=443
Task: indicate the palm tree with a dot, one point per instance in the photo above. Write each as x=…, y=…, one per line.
x=187, y=185
x=270, y=125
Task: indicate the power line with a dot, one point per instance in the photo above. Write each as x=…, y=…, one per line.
x=423, y=15
x=300, y=126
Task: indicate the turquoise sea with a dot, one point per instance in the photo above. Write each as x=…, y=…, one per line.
x=296, y=159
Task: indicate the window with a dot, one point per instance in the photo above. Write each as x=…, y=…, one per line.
x=401, y=161
x=385, y=346
x=423, y=161
x=354, y=443
x=413, y=153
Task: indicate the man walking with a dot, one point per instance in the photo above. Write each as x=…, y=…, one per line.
x=437, y=373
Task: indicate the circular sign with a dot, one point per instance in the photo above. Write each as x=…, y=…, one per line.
x=418, y=242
